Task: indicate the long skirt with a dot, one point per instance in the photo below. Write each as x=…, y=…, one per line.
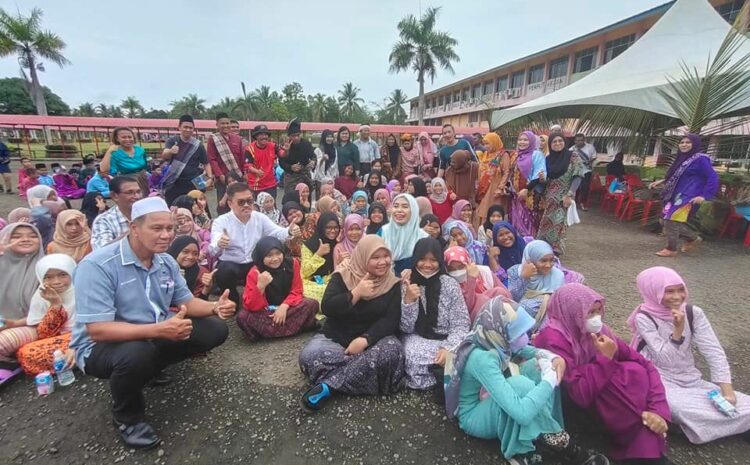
x=377, y=370
x=257, y=325
x=419, y=354
x=525, y=220
x=36, y=357
x=552, y=227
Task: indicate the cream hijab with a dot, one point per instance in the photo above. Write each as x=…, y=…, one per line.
x=355, y=270
x=19, y=279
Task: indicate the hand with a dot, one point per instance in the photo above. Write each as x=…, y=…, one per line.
x=452, y=196
x=224, y=240
x=279, y=316
x=413, y=293
x=472, y=270
x=367, y=222
x=323, y=249
x=177, y=328
x=440, y=357
x=360, y=185
x=567, y=201
x=260, y=173
x=70, y=358
x=494, y=252
x=558, y=363
x=112, y=148
x=678, y=318
x=50, y=295
x=697, y=200
x=357, y=346
x=656, y=184
x=523, y=194
x=207, y=279
x=174, y=150
x=655, y=423
x=727, y=391
x=365, y=289
x=604, y=345
x=222, y=179
x=264, y=279
x=296, y=167
x=405, y=275
x=13, y=243
x=528, y=270
x=295, y=231
x=345, y=255
x=210, y=184
x=225, y=308
x=452, y=243
x=542, y=176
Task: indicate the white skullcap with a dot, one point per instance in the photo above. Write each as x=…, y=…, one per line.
x=148, y=205
x=364, y=126
x=555, y=127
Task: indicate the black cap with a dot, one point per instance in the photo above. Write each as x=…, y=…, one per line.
x=294, y=127
x=260, y=129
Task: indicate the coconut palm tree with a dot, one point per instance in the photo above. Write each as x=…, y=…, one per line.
x=85, y=109
x=115, y=111
x=102, y=110
x=350, y=103
x=132, y=107
x=422, y=49
x=189, y=105
x=394, y=107
x=23, y=36
x=318, y=107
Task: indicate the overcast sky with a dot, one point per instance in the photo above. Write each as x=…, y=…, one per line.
x=161, y=50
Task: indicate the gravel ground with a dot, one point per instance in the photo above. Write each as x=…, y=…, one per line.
x=240, y=403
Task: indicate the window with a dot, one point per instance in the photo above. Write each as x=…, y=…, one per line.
x=465, y=95
x=516, y=81
x=536, y=74
x=457, y=96
x=558, y=68
x=434, y=102
x=476, y=91
x=441, y=100
x=474, y=117
x=501, y=84
x=613, y=48
x=585, y=60
x=487, y=88
x=730, y=10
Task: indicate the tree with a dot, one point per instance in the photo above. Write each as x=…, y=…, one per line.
x=115, y=111
x=102, y=110
x=394, y=108
x=189, y=105
x=23, y=36
x=14, y=99
x=317, y=105
x=349, y=101
x=422, y=49
x=226, y=105
x=154, y=113
x=132, y=107
x=267, y=104
x=85, y=109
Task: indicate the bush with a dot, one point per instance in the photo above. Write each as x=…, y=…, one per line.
x=61, y=150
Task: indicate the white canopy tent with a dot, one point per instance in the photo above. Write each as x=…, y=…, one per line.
x=690, y=32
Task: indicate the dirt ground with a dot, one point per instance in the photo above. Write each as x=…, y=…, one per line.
x=240, y=404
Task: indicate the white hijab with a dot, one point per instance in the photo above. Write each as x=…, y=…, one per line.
x=38, y=194
x=401, y=239
x=39, y=306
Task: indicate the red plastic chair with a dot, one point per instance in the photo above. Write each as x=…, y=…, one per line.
x=732, y=224
x=608, y=198
x=633, y=203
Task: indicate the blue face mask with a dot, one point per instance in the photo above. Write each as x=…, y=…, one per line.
x=519, y=343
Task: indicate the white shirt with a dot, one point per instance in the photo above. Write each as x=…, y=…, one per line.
x=243, y=236
x=587, y=154
x=368, y=150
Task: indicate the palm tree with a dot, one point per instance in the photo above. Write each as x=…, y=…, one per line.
x=102, y=110
x=23, y=36
x=246, y=103
x=132, y=107
x=349, y=100
x=115, y=111
x=189, y=105
x=266, y=102
x=317, y=105
x=394, y=107
x=422, y=49
x=85, y=109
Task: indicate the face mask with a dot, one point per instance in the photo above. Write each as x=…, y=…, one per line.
x=458, y=275
x=594, y=324
x=519, y=343
x=427, y=276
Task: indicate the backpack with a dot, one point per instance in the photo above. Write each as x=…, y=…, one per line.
x=688, y=313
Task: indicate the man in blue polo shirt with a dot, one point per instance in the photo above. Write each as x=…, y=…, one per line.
x=451, y=145
x=124, y=330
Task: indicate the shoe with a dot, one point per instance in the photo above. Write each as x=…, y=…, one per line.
x=526, y=459
x=316, y=397
x=162, y=379
x=666, y=253
x=9, y=192
x=138, y=436
x=690, y=245
x=596, y=459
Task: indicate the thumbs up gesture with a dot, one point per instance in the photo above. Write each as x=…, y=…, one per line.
x=412, y=291
x=323, y=249
x=295, y=231
x=177, y=328
x=224, y=240
x=225, y=308
x=264, y=279
x=365, y=288
x=175, y=149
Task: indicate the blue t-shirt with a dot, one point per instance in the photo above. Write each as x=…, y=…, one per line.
x=122, y=163
x=446, y=152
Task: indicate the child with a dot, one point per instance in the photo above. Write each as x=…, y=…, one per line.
x=359, y=203
x=30, y=179
x=44, y=177
x=354, y=226
x=99, y=183
x=495, y=214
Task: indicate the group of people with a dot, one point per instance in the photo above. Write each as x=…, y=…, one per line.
x=416, y=266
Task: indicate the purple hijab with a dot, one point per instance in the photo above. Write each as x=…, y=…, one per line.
x=524, y=159
x=674, y=172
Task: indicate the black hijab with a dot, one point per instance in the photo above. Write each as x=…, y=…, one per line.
x=493, y=209
x=428, y=218
x=279, y=289
x=292, y=205
x=372, y=189
x=373, y=228
x=427, y=318
x=557, y=162
x=420, y=188
x=320, y=235
x=89, y=208
x=328, y=149
x=177, y=246
x=616, y=167
x=184, y=201
x=394, y=151
x=293, y=196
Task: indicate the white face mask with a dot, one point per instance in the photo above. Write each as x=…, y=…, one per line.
x=594, y=324
x=428, y=276
x=458, y=275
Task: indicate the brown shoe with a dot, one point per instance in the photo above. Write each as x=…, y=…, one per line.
x=666, y=253
x=690, y=245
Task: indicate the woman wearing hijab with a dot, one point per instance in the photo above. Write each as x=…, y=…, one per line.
x=603, y=372
x=522, y=409
x=527, y=172
x=429, y=223
x=410, y=161
x=304, y=195
x=394, y=187
x=382, y=196
x=390, y=154
x=21, y=245
x=417, y=187
x=462, y=175
x=327, y=188
x=478, y=283
x=317, y=256
x=543, y=144
x=690, y=181
x=493, y=183
x=93, y=205
x=186, y=251
x=357, y=352
x=377, y=215
x=293, y=212
x=359, y=203
x=185, y=226
x=434, y=317
x=327, y=204
x=347, y=180
x=494, y=215
x=564, y=173
x=51, y=314
x=424, y=205
x=427, y=152
x=667, y=330
x=456, y=232
x=616, y=167
x=441, y=199
x=373, y=184
x=201, y=212
x=267, y=205
x=354, y=229
x=273, y=301
x=463, y=211
x=326, y=166
x=507, y=251
x=403, y=231
x=72, y=235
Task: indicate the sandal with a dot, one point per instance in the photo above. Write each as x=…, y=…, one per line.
x=9, y=372
x=666, y=253
x=691, y=245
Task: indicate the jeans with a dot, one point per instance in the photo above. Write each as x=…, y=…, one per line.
x=674, y=230
x=130, y=365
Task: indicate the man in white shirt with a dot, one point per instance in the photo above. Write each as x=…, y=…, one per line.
x=587, y=153
x=368, y=149
x=235, y=234
x=114, y=224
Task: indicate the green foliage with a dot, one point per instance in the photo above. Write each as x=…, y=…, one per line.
x=15, y=100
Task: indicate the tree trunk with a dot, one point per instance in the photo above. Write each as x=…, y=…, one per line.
x=37, y=96
x=420, y=107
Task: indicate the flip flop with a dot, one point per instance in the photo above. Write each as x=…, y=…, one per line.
x=9, y=372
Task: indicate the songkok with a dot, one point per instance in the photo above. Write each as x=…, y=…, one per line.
x=148, y=205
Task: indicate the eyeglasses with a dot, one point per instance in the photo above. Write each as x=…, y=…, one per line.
x=243, y=202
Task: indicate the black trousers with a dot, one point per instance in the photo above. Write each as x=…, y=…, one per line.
x=582, y=194
x=180, y=187
x=130, y=365
x=229, y=275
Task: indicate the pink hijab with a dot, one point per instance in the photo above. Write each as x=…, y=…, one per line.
x=651, y=284
x=427, y=150
x=425, y=207
x=567, y=311
x=457, y=207
x=387, y=196
x=350, y=221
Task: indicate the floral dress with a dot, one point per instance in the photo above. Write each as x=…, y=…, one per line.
x=552, y=227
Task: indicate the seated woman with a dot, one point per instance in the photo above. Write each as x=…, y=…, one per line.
x=463, y=211
x=21, y=245
x=603, y=372
x=507, y=251
x=359, y=204
x=373, y=182
x=357, y=352
x=273, y=305
x=66, y=185
x=347, y=181
x=377, y=217
x=478, y=283
x=201, y=212
x=522, y=408
x=383, y=197
x=354, y=228
x=72, y=235
x=416, y=186
x=532, y=283
x=304, y=195
x=317, y=256
x=394, y=187
x=93, y=205
x=294, y=213
x=495, y=214
x=662, y=334
x=403, y=232
x=433, y=315
x=458, y=233
x=441, y=200
x=45, y=206
x=267, y=205
x=186, y=252
x=52, y=314
x=431, y=225
x=327, y=188
x=326, y=203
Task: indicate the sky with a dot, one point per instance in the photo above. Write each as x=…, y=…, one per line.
x=160, y=51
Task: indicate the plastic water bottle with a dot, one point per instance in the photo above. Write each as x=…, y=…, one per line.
x=722, y=404
x=65, y=376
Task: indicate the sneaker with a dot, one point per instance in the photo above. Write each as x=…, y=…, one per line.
x=666, y=253
x=690, y=245
x=316, y=397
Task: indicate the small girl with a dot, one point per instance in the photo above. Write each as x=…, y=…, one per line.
x=267, y=205
x=304, y=195
x=201, y=213
x=394, y=187
x=458, y=233
x=354, y=227
x=442, y=201
x=359, y=203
